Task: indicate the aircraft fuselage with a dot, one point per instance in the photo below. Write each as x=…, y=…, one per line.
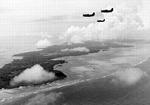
x=107, y=11
x=89, y=15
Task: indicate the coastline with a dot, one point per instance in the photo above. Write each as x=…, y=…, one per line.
x=29, y=59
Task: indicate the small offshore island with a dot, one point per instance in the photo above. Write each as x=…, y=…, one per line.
x=45, y=58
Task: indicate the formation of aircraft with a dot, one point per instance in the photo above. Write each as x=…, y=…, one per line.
x=102, y=11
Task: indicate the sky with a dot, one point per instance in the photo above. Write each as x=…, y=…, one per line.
x=33, y=9
x=35, y=17
x=17, y=11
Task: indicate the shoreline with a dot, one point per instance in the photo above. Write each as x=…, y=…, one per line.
x=29, y=59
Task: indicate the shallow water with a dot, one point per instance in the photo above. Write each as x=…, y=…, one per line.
x=98, y=67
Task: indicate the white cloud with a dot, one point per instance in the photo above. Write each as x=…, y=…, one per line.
x=128, y=76
x=125, y=22
x=79, y=49
x=43, y=43
x=35, y=75
x=121, y=24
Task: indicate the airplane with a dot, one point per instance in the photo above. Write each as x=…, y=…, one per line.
x=101, y=20
x=89, y=15
x=107, y=11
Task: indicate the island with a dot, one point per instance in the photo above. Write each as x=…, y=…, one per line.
x=46, y=58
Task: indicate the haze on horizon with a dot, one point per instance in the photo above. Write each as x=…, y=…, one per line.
x=39, y=18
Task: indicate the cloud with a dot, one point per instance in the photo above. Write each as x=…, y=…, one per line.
x=77, y=49
x=34, y=75
x=128, y=76
x=43, y=99
x=43, y=43
x=124, y=23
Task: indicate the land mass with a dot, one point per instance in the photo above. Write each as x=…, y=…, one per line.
x=45, y=57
